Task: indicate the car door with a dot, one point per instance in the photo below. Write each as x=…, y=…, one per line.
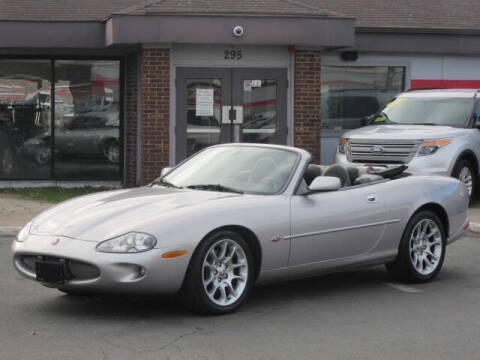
x=336, y=224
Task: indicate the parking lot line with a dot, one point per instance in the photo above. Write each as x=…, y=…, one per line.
x=404, y=288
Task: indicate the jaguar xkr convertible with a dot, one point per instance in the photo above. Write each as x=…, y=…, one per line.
x=232, y=216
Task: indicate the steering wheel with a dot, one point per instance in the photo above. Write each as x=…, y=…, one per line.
x=272, y=182
x=262, y=167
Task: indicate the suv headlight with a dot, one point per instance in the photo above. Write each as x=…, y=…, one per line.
x=24, y=232
x=429, y=147
x=342, y=145
x=132, y=242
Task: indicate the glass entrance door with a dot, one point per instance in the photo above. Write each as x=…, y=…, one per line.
x=229, y=105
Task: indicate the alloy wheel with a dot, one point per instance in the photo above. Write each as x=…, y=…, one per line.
x=426, y=246
x=225, y=272
x=465, y=176
x=112, y=152
x=43, y=156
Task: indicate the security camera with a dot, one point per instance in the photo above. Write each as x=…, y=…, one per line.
x=238, y=31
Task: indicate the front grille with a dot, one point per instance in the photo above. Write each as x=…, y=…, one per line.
x=75, y=270
x=381, y=151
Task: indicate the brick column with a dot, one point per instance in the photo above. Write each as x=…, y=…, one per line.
x=307, y=101
x=155, y=111
x=131, y=92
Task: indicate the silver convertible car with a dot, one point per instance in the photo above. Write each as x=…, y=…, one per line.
x=236, y=215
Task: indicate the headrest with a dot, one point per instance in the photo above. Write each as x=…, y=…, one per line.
x=312, y=172
x=340, y=172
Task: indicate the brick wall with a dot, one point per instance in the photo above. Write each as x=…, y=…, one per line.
x=307, y=101
x=155, y=97
x=131, y=91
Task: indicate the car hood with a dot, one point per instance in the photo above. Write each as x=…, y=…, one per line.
x=406, y=132
x=101, y=216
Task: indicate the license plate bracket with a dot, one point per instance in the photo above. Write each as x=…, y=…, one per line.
x=50, y=271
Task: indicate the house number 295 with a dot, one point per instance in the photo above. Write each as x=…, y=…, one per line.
x=232, y=54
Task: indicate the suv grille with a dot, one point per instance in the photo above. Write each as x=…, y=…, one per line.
x=382, y=151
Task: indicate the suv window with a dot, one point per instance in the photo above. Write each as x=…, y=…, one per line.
x=426, y=111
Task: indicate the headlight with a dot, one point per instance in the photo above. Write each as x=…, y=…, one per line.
x=23, y=234
x=128, y=243
x=429, y=147
x=342, y=145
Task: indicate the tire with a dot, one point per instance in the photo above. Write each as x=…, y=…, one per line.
x=7, y=161
x=202, y=288
x=412, y=256
x=73, y=292
x=43, y=156
x=464, y=171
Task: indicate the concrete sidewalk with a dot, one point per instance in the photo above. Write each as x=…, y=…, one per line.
x=474, y=214
x=16, y=212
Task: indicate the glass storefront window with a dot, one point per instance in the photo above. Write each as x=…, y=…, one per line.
x=87, y=119
x=25, y=126
x=83, y=137
x=352, y=92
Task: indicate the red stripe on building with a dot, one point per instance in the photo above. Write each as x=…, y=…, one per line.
x=449, y=84
x=260, y=103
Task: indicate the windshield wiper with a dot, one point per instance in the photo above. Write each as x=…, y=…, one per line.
x=165, y=183
x=423, y=124
x=215, y=187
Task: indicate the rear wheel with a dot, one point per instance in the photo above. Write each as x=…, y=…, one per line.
x=464, y=171
x=43, y=155
x=112, y=151
x=220, y=274
x=422, y=249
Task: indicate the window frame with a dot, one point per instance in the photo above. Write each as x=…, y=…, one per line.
x=365, y=64
x=53, y=59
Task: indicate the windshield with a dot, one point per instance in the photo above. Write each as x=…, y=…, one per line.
x=239, y=169
x=426, y=111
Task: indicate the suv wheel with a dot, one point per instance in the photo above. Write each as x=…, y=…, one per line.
x=464, y=172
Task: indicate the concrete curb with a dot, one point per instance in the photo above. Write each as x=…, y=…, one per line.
x=474, y=227
x=9, y=231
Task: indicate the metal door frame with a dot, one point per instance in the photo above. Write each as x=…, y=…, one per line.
x=181, y=92
x=240, y=74
x=232, y=91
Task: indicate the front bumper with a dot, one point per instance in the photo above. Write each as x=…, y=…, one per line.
x=430, y=164
x=139, y=273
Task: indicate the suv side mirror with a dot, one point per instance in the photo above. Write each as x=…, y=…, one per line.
x=476, y=123
x=325, y=183
x=165, y=171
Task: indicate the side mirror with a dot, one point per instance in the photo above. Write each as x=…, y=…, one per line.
x=325, y=183
x=165, y=171
x=476, y=123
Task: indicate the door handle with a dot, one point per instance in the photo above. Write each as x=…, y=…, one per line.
x=372, y=198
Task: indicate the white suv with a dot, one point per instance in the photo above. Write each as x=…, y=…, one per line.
x=431, y=131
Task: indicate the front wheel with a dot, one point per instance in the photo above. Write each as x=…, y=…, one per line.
x=464, y=172
x=220, y=274
x=422, y=249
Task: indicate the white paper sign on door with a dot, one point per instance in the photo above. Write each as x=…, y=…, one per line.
x=204, y=102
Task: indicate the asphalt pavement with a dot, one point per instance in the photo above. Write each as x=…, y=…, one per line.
x=351, y=315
